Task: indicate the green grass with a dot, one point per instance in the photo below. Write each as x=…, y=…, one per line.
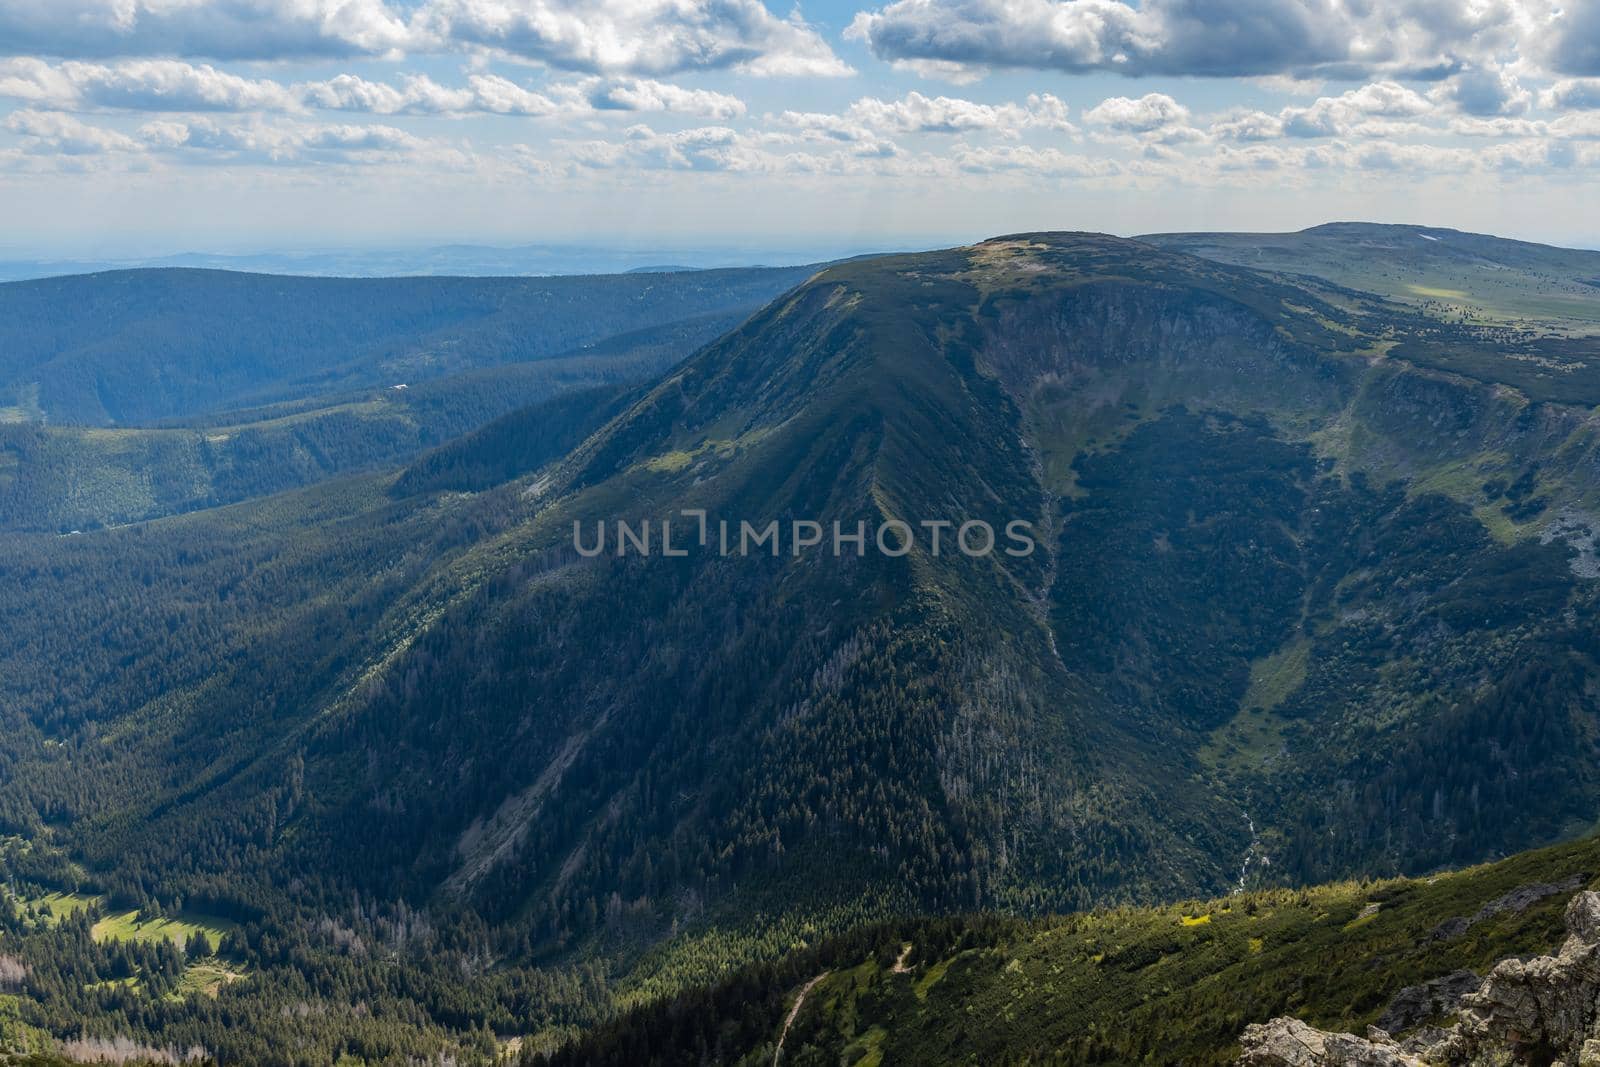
x=127, y=927
x=52, y=908
x=1255, y=734
x=206, y=979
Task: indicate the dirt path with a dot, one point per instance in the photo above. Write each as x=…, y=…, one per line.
x=799, y=1002
x=900, y=964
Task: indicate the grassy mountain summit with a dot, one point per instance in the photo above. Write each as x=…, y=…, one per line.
x=1464, y=277
x=1311, y=598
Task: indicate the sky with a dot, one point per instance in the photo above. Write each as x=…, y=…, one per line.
x=146, y=127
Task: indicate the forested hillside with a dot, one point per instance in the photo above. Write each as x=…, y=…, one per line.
x=1312, y=599
x=63, y=478
x=133, y=347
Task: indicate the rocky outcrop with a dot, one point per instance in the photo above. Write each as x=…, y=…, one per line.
x=1543, y=1011
x=1292, y=1043
x=1515, y=902
x=1416, y=1004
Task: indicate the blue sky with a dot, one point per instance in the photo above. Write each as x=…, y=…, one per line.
x=141, y=127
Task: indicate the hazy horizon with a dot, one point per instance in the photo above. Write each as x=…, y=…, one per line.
x=601, y=254
x=141, y=128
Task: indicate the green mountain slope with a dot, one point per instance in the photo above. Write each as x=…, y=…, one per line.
x=1164, y=985
x=1227, y=506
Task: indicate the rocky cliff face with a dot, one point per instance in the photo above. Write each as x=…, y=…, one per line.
x=1543, y=1011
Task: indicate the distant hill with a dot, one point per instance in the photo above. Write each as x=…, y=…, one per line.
x=445, y=261
x=133, y=347
x=64, y=478
x=1459, y=276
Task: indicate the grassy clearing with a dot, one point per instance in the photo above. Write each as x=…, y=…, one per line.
x=52, y=908
x=1255, y=734
x=178, y=929
x=206, y=979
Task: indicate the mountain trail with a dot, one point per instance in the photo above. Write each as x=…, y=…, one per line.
x=799, y=1002
x=900, y=964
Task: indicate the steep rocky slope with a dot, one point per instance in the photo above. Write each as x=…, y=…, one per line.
x=1544, y=1010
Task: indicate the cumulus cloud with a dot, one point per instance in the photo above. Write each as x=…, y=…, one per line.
x=916, y=113
x=1152, y=120
x=1352, y=112
x=1153, y=111
x=1248, y=126
x=291, y=143
x=1218, y=38
x=650, y=37
x=208, y=140
x=1044, y=162
x=220, y=29
x=1572, y=94
x=173, y=85
x=1486, y=92
x=144, y=85
x=858, y=152
x=57, y=134
x=703, y=148
x=1371, y=110
x=637, y=37
x=644, y=94
x=870, y=122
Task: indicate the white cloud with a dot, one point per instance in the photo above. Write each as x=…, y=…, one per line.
x=1151, y=120
x=1229, y=38
x=1582, y=126
x=1044, y=162
x=1376, y=110
x=1248, y=126
x=220, y=29
x=916, y=113
x=1572, y=94
x=1151, y=112
x=54, y=133
x=1486, y=91
x=702, y=148
x=638, y=37
x=1413, y=159
x=173, y=85
x=648, y=37
x=209, y=141
x=145, y=85
x=417, y=94
x=644, y=94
